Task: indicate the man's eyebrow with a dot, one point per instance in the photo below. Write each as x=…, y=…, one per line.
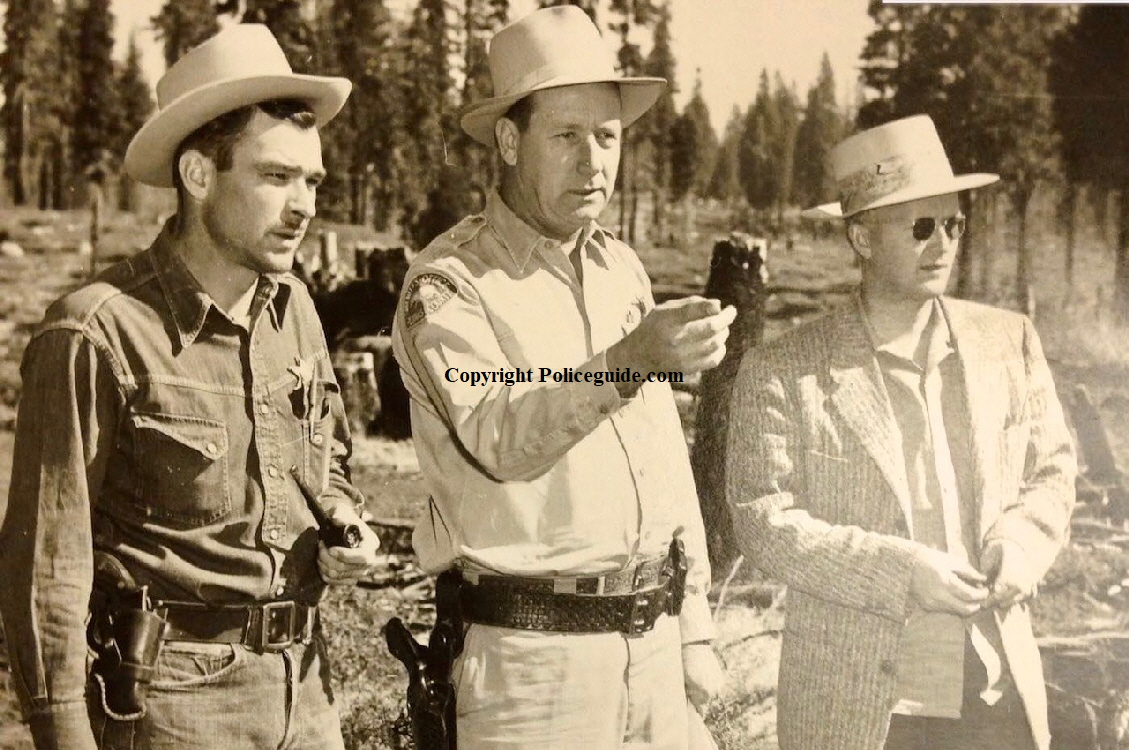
x=293, y=170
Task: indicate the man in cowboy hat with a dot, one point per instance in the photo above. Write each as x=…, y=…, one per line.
x=557, y=491
x=903, y=466
x=178, y=421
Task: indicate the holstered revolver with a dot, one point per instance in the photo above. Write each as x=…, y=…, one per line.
x=431, y=694
x=125, y=633
x=678, y=569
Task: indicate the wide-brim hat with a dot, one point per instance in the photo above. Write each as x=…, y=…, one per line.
x=898, y=162
x=241, y=65
x=546, y=49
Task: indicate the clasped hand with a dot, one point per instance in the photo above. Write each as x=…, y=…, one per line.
x=944, y=583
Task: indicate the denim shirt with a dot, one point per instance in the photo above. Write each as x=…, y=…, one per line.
x=154, y=428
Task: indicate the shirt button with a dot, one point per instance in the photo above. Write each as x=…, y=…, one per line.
x=280, y=591
x=273, y=535
x=273, y=471
x=888, y=667
x=317, y=439
x=264, y=408
x=212, y=449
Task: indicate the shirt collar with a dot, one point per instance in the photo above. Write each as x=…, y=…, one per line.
x=937, y=331
x=521, y=240
x=189, y=302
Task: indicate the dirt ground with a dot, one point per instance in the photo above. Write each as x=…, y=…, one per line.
x=1087, y=592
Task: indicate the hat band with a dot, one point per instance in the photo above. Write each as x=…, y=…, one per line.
x=876, y=181
x=538, y=77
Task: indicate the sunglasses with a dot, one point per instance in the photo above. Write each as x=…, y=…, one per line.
x=924, y=227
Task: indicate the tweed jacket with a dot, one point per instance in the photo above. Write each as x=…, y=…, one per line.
x=817, y=488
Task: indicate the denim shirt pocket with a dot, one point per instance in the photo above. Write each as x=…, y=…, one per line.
x=183, y=468
x=319, y=429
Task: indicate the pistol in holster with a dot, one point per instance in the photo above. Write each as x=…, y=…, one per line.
x=676, y=569
x=431, y=693
x=125, y=633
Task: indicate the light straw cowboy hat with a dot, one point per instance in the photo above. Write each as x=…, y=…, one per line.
x=552, y=47
x=897, y=162
x=241, y=65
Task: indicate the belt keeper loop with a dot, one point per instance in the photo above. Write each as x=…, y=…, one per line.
x=600, y=581
x=638, y=579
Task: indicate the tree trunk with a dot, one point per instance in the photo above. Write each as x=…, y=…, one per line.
x=1070, y=211
x=986, y=213
x=965, y=250
x=736, y=278
x=634, y=223
x=625, y=165
x=1024, y=293
x=1121, y=270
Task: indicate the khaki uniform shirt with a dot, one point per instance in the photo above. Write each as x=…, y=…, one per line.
x=540, y=470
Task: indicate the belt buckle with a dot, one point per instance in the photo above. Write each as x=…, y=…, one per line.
x=640, y=612
x=272, y=616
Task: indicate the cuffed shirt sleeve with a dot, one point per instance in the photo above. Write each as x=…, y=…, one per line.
x=64, y=431
x=514, y=432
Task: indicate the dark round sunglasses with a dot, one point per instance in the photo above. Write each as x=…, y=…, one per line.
x=924, y=227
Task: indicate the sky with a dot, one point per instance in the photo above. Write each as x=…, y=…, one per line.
x=730, y=41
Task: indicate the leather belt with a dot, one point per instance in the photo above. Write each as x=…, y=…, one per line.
x=265, y=627
x=628, y=602
x=647, y=574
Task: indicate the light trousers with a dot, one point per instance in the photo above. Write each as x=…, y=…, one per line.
x=597, y=691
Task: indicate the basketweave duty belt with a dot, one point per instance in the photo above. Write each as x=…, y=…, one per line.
x=265, y=627
x=628, y=601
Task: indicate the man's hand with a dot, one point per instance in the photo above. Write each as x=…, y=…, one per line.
x=686, y=335
x=943, y=583
x=344, y=566
x=702, y=673
x=1004, y=564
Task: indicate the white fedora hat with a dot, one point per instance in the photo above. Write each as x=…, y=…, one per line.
x=241, y=65
x=548, y=48
x=897, y=162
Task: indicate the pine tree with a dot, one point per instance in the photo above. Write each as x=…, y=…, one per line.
x=694, y=148
x=657, y=123
x=818, y=133
x=365, y=146
x=33, y=135
x=627, y=15
x=755, y=153
x=588, y=6
x=429, y=201
x=294, y=35
x=136, y=106
x=783, y=148
x=98, y=113
x=725, y=182
x=1088, y=76
x=183, y=24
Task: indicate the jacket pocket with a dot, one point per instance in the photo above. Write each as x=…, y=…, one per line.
x=182, y=468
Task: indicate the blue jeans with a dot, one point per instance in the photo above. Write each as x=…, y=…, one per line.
x=217, y=695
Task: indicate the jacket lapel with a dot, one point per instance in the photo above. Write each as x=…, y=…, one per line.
x=859, y=396
x=973, y=350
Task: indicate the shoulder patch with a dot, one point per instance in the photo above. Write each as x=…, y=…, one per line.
x=426, y=293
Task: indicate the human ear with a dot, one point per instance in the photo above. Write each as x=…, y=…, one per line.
x=859, y=237
x=196, y=172
x=507, y=136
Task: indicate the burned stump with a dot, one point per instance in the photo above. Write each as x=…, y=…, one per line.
x=737, y=277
